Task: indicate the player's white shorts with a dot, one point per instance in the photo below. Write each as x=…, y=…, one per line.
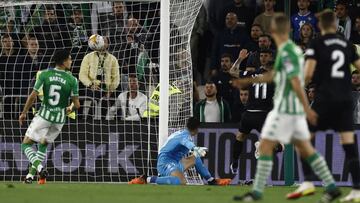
x=41, y=128
x=285, y=127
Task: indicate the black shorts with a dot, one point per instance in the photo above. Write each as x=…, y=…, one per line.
x=336, y=116
x=252, y=120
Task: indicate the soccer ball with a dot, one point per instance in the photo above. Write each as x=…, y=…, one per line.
x=96, y=42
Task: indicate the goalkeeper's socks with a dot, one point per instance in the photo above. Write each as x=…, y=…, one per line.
x=151, y=179
x=168, y=180
x=41, y=153
x=201, y=169
x=263, y=170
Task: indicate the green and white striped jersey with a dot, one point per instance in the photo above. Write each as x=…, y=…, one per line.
x=288, y=64
x=58, y=86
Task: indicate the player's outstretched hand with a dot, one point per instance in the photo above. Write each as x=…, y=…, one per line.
x=311, y=116
x=22, y=118
x=199, y=151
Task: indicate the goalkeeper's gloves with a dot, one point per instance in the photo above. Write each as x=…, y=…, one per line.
x=199, y=151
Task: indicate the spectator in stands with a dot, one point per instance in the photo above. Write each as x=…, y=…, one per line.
x=223, y=78
x=343, y=20
x=32, y=61
x=212, y=108
x=136, y=38
x=51, y=34
x=264, y=18
x=255, y=34
x=244, y=14
x=311, y=90
x=99, y=17
x=197, y=34
x=7, y=62
x=355, y=80
x=306, y=35
x=79, y=31
x=117, y=22
x=265, y=57
x=231, y=40
x=254, y=58
x=99, y=72
x=303, y=16
x=132, y=102
x=239, y=105
x=13, y=32
x=355, y=35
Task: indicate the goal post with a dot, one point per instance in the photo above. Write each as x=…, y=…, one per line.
x=164, y=73
x=105, y=143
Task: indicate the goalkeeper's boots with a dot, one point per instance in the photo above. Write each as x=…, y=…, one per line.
x=42, y=176
x=223, y=181
x=220, y=181
x=305, y=189
x=353, y=196
x=140, y=180
x=248, y=197
x=234, y=167
x=330, y=195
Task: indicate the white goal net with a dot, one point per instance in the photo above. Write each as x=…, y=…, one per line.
x=114, y=136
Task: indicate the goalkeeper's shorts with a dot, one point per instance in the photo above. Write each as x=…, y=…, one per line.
x=166, y=166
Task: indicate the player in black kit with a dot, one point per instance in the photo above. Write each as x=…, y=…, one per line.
x=259, y=104
x=327, y=65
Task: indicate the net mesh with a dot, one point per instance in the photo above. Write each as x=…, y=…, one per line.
x=111, y=139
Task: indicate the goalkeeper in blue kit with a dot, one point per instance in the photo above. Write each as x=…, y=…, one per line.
x=172, y=161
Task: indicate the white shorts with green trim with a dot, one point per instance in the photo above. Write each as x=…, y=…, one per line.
x=42, y=129
x=285, y=128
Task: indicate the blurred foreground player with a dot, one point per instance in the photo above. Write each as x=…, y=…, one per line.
x=328, y=60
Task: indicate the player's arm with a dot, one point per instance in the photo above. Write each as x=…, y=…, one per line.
x=310, y=61
x=197, y=151
x=300, y=93
x=75, y=104
x=267, y=77
x=310, y=65
x=74, y=97
x=235, y=69
x=29, y=102
x=32, y=97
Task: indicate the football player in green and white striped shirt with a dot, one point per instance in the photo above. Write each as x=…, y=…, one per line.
x=58, y=87
x=287, y=121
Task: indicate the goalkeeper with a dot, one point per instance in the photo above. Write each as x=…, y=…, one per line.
x=172, y=161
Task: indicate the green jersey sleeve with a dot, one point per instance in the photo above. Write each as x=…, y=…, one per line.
x=39, y=82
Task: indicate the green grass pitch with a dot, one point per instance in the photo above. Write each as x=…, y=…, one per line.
x=111, y=193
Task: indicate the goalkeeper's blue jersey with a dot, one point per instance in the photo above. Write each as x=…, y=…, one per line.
x=177, y=146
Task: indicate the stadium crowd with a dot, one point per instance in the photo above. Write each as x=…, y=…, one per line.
x=238, y=32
